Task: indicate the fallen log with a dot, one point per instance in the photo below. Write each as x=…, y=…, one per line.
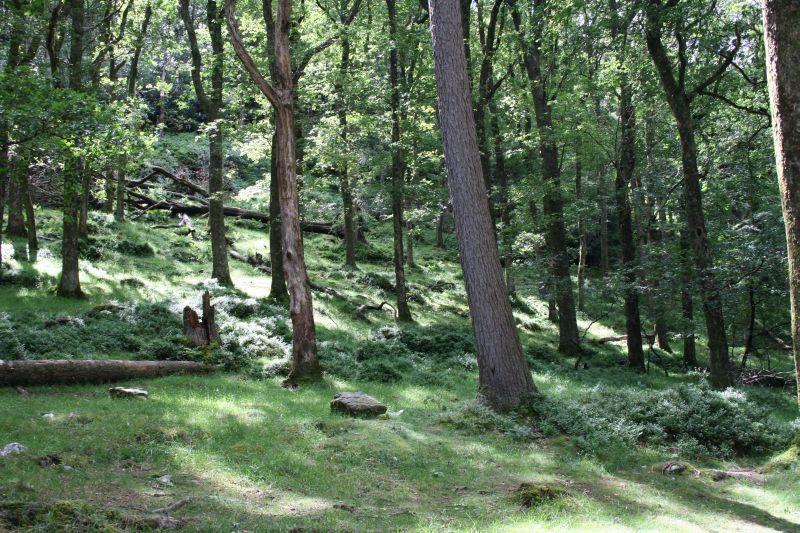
x=649, y=337
x=56, y=371
x=147, y=203
x=764, y=378
x=256, y=261
x=361, y=310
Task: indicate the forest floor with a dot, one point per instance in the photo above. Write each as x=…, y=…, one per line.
x=241, y=453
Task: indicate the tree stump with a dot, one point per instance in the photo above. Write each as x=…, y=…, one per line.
x=200, y=332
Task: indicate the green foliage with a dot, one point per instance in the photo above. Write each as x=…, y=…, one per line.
x=692, y=420
x=475, y=418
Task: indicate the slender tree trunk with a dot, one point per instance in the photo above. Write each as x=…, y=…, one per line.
x=782, y=38
x=110, y=189
x=679, y=102
x=119, y=208
x=749, y=329
x=605, y=264
x=69, y=285
x=556, y=233
x=625, y=166
x=581, y=230
x=4, y=171
x=440, y=228
x=398, y=171
x=501, y=178
x=505, y=381
x=348, y=211
x=687, y=305
x=278, y=289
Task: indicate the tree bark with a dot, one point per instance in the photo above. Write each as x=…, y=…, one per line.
x=505, y=381
x=782, y=39
x=680, y=103
x=212, y=107
x=581, y=230
x=398, y=171
x=555, y=234
x=344, y=177
x=16, y=219
x=305, y=364
x=278, y=290
x=69, y=285
x=57, y=371
x=30, y=213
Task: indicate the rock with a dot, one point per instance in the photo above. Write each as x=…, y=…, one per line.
x=357, y=404
x=165, y=480
x=13, y=448
x=673, y=468
x=49, y=416
x=123, y=392
x=49, y=460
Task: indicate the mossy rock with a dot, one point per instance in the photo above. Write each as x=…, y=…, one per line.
x=786, y=459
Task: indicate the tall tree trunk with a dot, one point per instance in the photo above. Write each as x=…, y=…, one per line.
x=556, y=233
x=83, y=218
x=69, y=285
x=398, y=171
x=581, y=230
x=305, y=364
x=505, y=381
x=625, y=165
x=16, y=220
x=30, y=212
x=680, y=104
x=345, y=189
x=501, y=178
x=110, y=189
x=119, y=176
x=278, y=289
x=605, y=264
x=782, y=38
x=687, y=305
x=212, y=108
x=626, y=161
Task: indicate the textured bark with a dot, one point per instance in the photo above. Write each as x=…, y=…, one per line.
x=119, y=209
x=305, y=364
x=57, y=371
x=201, y=331
x=69, y=285
x=83, y=217
x=555, y=232
x=687, y=305
x=398, y=170
x=278, y=290
x=679, y=99
x=782, y=38
x=581, y=230
x=626, y=161
x=212, y=108
x=344, y=171
x=505, y=381
x=625, y=166
x=30, y=213
x=16, y=219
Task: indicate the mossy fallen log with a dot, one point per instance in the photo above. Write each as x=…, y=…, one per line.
x=56, y=371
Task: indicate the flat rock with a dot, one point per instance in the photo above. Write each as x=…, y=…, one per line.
x=357, y=404
x=123, y=392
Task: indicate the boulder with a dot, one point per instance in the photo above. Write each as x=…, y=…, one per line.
x=13, y=448
x=357, y=404
x=123, y=392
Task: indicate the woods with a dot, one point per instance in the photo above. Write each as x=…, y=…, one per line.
x=535, y=252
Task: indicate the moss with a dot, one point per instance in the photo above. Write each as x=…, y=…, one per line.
x=62, y=515
x=534, y=494
x=787, y=459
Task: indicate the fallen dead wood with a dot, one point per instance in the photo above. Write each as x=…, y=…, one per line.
x=764, y=378
x=96, y=310
x=201, y=332
x=327, y=290
x=56, y=371
x=361, y=310
x=146, y=203
x=256, y=260
x=649, y=337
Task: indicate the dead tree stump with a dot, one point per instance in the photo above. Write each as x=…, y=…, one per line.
x=200, y=332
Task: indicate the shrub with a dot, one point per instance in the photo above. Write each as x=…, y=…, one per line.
x=11, y=347
x=689, y=419
x=135, y=248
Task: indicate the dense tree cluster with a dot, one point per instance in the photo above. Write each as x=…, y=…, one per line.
x=628, y=142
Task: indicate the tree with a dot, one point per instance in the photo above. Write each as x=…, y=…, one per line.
x=212, y=108
x=680, y=98
x=553, y=202
x=505, y=381
x=782, y=39
x=305, y=364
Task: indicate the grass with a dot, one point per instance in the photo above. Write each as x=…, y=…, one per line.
x=257, y=457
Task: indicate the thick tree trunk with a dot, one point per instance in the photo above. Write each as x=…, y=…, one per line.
x=398, y=171
x=16, y=219
x=30, y=212
x=57, y=371
x=782, y=38
x=69, y=285
x=679, y=101
x=687, y=305
x=505, y=381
